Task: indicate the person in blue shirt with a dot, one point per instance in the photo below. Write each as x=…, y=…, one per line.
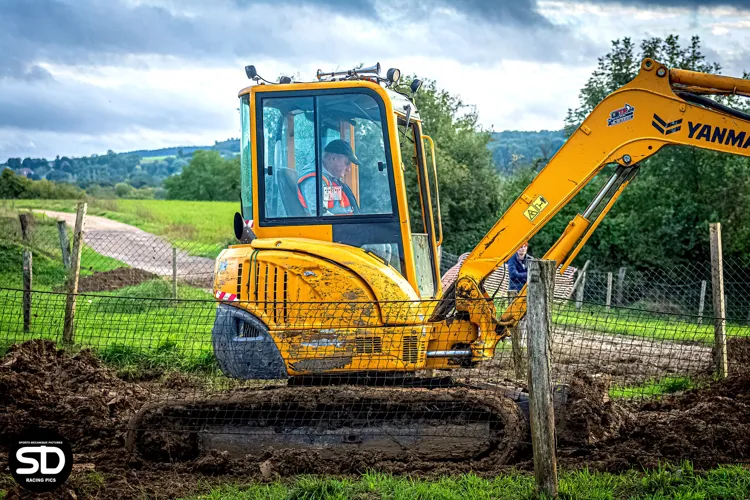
x=518, y=270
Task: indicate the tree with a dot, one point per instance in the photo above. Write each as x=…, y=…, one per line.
x=661, y=220
x=468, y=181
x=208, y=177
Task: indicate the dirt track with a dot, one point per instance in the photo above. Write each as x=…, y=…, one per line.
x=628, y=360
x=136, y=247
x=87, y=403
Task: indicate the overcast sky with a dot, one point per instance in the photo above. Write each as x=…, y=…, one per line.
x=83, y=76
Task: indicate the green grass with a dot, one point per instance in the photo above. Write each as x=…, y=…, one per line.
x=655, y=326
x=659, y=387
x=48, y=269
x=669, y=481
x=200, y=227
x=151, y=159
x=130, y=332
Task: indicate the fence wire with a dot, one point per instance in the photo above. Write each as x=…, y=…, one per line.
x=148, y=333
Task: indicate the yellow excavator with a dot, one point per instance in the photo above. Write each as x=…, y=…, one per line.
x=336, y=289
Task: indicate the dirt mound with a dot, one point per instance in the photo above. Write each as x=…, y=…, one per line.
x=115, y=279
x=589, y=416
x=41, y=386
x=84, y=401
x=709, y=426
x=738, y=355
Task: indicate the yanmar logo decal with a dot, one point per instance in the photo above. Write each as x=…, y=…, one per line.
x=666, y=128
x=726, y=136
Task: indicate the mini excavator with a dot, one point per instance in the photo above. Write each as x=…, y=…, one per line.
x=336, y=289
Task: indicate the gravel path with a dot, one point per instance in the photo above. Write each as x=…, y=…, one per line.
x=137, y=248
x=627, y=359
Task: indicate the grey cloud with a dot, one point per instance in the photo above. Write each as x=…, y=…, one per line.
x=87, y=109
x=360, y=8
x=510, y=13
x=740, y=4
x=91, y=32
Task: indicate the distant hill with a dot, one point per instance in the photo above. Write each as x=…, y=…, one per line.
x=149, y=167
x=228, y=146
x=512, y=148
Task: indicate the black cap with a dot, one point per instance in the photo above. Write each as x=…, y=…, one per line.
x=340, y=147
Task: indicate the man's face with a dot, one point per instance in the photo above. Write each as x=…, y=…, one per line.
x=522, y=251
x=337, y=164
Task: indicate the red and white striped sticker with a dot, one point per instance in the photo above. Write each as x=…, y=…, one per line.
x=226, y=296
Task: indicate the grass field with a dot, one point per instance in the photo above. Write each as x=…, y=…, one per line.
x=670, y=481
x=639, y=323
x=201, y=227
x=151, y=159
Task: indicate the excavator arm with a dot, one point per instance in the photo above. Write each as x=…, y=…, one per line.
x=659, y=107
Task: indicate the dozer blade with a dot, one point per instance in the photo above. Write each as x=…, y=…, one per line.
x=432, y=424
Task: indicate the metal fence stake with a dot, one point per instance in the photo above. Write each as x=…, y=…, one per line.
x=717, y=289
x=73, y=272
x=702, y=302
x=27, y=286
x=609, y=290
x=620, y=284
x=541, y=411
x=174, y=272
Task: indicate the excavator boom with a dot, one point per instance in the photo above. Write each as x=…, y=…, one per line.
x=631, y=124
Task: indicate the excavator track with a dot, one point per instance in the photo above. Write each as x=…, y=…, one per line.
x=444, y=424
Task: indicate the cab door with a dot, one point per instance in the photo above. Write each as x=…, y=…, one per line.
x=425, y=226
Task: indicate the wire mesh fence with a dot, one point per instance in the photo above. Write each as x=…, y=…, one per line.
x=117, y=254
x=369, y=376
x=217, y=372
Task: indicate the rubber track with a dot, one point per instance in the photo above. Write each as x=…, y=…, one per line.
x=157, y=417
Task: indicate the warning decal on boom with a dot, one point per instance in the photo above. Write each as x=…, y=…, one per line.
x=535, y=208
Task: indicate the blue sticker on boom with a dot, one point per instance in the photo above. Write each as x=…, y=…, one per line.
x=623, y=114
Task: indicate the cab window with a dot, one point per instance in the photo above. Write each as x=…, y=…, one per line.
x=324, y=156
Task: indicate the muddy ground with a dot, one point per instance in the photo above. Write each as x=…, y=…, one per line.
x=87, y=403
x=113, y=280
x=628, y=360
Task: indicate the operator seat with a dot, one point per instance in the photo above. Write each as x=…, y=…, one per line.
x=288, y=187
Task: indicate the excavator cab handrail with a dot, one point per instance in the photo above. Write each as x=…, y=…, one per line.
x=437, y=189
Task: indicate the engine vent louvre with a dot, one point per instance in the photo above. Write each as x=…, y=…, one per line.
x=411, y=349
x=239, y=281
x=248, y=330
x=368, y=345
x=286, y=294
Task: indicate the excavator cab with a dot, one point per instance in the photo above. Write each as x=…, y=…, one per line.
x=322, y=161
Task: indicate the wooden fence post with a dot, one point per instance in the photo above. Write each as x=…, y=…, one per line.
x=717, y=289
x=620, y=284
x=541, y=412
x=62, y=230
x=27, y=285
x=609, y=290
x=578, y=279
x=702, y=302
x=26, y=221
x=73, y=272
x=174, y=272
